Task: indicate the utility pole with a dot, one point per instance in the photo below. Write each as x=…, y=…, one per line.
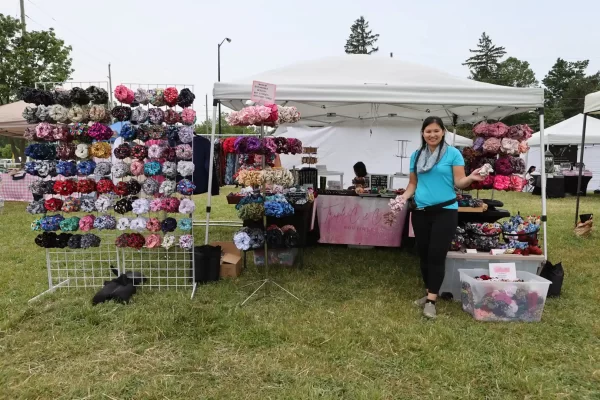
x=110, y=91
x=23, y=17
x=206, y=105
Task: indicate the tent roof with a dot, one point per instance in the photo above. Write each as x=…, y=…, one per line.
x=592, y=103
x=12, y=123
x=364, y=87
x=569, y=132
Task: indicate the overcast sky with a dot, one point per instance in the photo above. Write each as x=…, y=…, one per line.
x=149, y=41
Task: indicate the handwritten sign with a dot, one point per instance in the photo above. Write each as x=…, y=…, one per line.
x=379, y=181
x=263, y=92
x=503, y=271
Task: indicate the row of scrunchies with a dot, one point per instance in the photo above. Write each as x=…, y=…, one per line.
x=254, y=238
x=154, y=116
x=137, y=241
x=270, y=115
x=513, y=183
x=65, y=98
x=51, y=240
x=269, y=145
x=62, y=114
x=150, y=187
x=85, y=133
x=157, y=97
x=500, y=130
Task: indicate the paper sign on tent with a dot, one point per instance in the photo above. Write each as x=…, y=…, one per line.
x=506, y=271
x=263, y=93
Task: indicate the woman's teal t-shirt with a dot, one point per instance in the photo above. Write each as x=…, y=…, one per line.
x=437, y=185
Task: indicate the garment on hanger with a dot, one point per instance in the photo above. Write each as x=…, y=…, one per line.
x=201, y=160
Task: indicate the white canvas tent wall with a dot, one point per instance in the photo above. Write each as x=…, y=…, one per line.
x=12, y=123
x=377, y=150
x=359, y=87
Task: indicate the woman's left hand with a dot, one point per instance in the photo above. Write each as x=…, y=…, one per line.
x=476, y=176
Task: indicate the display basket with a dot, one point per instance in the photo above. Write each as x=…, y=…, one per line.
x=232, y=199
x=503, y=301
x=530, y=238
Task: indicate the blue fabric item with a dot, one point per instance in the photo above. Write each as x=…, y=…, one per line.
x=229, y=169
x=437, y=185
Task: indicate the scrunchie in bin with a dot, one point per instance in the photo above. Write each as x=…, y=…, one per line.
x=153, y=241
x=141, y=206
x=186, y=241
x=185, y=224
x=156, y=97
x=150, y=186
x=501, y=182
x=187, y=206
x=87, y=204
x=186, y=187
x=123, y=223
x=103, y=168
x=128, y=132
x=156, y=116
x=186, y=134
x=58, y=113
x=99, y=131
x=170, y=95
x=122, y=240
x=36, y=207
x=169, y=169
x=152, y=168
x=71, y=204
x=188, y=116
x=86, y=223
x=169, y=204
x=121, y=113
x=153, y=225
x=66, y=151
x=169, y=154
x=97, y=95
x=104, y=202
x=172, y=117
x=184, y=152
x=82, y=151
x=98, y=113
x=53, y=204
x=121, y=189
x=86, y=186
x=168, y=241
x=100, y=150
x=123, y=206
x=64, y=188
x=138, y=224
x=156, y=205
x=139, y=152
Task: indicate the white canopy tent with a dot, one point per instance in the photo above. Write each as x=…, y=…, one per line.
x=592, y=103
x=364, y=87
x=12, y=123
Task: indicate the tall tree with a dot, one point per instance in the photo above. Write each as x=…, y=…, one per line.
x=361, y=40
x=516, y=73
x=573, y=97
x=484, y=62
x=558, y=79
x=33, y=57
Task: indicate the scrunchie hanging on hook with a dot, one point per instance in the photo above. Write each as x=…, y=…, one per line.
x=97, y=95
x=188, y=116
x=156, y=116
x=171, y=96
x=142, y=96
x=139, y=115
x=157, y=97
x=79, y=96
x=172, y=117
x=121, y=113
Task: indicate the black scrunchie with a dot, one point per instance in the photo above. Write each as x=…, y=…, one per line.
x=123, y=206
x=62, y=240
x=122, y=151
x=97, y=95
x=143, y=133
x=46, y=240
x=121, y=113
x=173, y=135
x=185, y=98
x=63, y=97
x=275, y=237
x=168, y=225
x=79, y=96
x=291, y=238
x=35, y=96
x=75, y=242
x=133, y=187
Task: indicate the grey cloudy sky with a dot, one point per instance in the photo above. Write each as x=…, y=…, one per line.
x=176, y=41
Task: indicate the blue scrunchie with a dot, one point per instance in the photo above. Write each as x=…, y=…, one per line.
x=128, y=132
x=51, y=222
x=186, y=187
x=66, y=168
x=41, y=151
x=152, y=168
x=30, y=168
x=86, y=167
x=185, y=224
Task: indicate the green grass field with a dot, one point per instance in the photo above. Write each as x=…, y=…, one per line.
x=356, y=335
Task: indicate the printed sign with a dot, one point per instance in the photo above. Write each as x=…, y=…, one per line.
x=379, y=181
x=506, y=271
x=263, y=92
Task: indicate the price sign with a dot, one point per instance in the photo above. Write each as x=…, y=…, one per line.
x=263, y=92
x=379, y=181
x=506, y=271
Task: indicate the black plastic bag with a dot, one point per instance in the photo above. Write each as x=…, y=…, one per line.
x=207, y=263
x=555, y=274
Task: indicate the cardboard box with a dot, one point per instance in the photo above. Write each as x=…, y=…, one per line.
x=231, y=259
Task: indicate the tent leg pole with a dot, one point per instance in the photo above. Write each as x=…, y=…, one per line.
x=210, y=170
x=580, y=168
x=543, y=182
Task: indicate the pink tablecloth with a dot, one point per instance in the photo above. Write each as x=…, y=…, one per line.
x=358, y=221
x=11, y=190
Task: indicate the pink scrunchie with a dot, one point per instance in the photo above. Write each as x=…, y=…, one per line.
x=517, y=183
x=137, y=168
x=153, y=241
x=121, y=93
x=153, y=224
x=188, y=116
x=86, y=223
x=510, y=146
x=156, y=205
x=501, y=182
x=523, y=147
x=492, y=145
x=170, y=204
x=43, y=131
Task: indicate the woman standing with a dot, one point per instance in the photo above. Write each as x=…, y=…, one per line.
x=435, y=170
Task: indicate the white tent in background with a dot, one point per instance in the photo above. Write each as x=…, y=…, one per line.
x=592, y=103
x=12, y=123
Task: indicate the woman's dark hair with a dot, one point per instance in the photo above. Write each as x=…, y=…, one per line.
x=426, y=122
x=360, y=169
x=531, y=169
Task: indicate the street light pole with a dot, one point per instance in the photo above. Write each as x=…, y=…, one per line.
x=219, y=73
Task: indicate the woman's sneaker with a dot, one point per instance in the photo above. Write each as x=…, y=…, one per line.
x=421, y=302
x=429, y=310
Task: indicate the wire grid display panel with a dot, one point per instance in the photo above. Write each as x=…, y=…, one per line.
x=162, y=268
x=83, y=268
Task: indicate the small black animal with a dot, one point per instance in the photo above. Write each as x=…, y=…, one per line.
x=120, y=289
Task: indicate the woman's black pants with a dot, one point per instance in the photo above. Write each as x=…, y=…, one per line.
x=434, y=231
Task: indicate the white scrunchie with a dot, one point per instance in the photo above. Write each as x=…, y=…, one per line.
x=168, y=241
x=120, y=169
x=138, y=224
x=123, y=223
x=104, y=202
x=82, y=150
x=185, y=168
x=59, y=113
x=187, y=206
x=140, y=206
x=167, y=187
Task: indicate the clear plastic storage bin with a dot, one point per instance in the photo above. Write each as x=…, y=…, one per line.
x=503, y=301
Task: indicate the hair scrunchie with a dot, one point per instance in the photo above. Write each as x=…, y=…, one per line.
x=133, y=187
x=105, y=185
x=29, y=134
x=137, y=168
x=156, y=116
x=153, y=225
x=157, y=97
x=123, y=223
x=71, y=204
x=90, y=240
x=186, y=187
x=64, y=188
x=120, y=169
x=43, y=131
x=188, y=116
x=121, y=189
x=157, y=132
x=31, y=167
x=87, y=204
x=41, y=188
x=62, y=240
x=186, y=241
x=62, y=97
x=168, y=241
x=58, y=113
x=187, y=206
x=185, y=168
x=66, y=151
x=86, y=186
x=509, y=146
x=46, y=240
x=167, y=187
x=37, y=207
x=97, y=95
x=122, y=151
x=41, y=151
x=46, y=168
x=122, y=94
x=98, y=113
x=82, y=150
x=70, y=224
x=121, y=113
x=53, y=204
x=122, y=240
x=152, y=168
x=86, y=223
x=78, y=113
x=36, y=225
x=186, y=98
x=155, y=151
x=171, y=96
x=74, y=242
x=104, y=202
x=51, y=223
x=184, y=152
x=142, y=96
x=135, y=241
x=172, y=117
x=100, y=131
x=153, y=241
x=79, y=96
x=139, y=151
x=66, y=168
x=169, y=204
x=43, y=113
x=103, y=168
x=138, y=224
x=150, y=186
x=169, y=154
x=139, y=115
x=492, y=145
x=29, y=114
x=123, y=206
x=185, y=224
x=172, y=134
x=79, y=132
x=156, y=205
x=128, y=132
x=61, y=133
x=169, y=169
x=168, y=225
x=186, y=134
x=100, y=150
x=141, y=206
